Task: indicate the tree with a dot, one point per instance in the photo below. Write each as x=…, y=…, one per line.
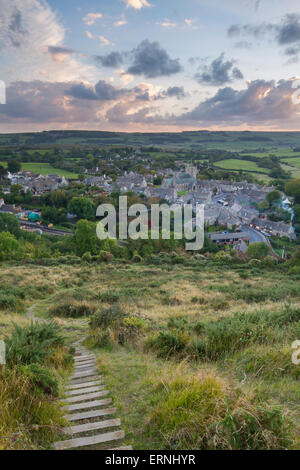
x=273, y=196
x=82, y=207
x=86, y=239
x=258, y=250
x=9, y=223
x=14, y=166
x=3, y=171
x=10, y=248
x=292, y=188
x=51, y=214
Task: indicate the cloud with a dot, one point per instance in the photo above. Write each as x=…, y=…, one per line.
x=151, y=60
x=102, y=91
x=104, y=41
x=288, y=32
x=113, y=60
x=137, y=4
x=262, y=102
x=29, y=31
x=91, y=18
x=190, y=22
x=62, y=105
x=166, y=23
x=243, y=45
x=257, y=31
x=285, y=33
x=219, y=72
x=89, y=35
x=59, y=53
x=121, y=22
x=172, y=92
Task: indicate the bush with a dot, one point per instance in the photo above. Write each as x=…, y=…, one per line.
x=105, y=256
x=202, y=412
x=137, y=258
x=258, y=250
x=41, y=378
x=167, y=344
x=108, y=317
x=231, y=334
x=257, y=429
x=29, y=418
x=87, y=257
x=73, y=309
x=32, y=344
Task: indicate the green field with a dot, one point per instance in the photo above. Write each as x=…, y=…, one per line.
x=45, y=169
x=294, y=171
x=244, y=165
x=292, y=161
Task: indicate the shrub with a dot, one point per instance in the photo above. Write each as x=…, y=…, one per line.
x=198, y=300
x=180, y=323
x=258, y=250
x=71, y=308
x=201, y=412
x=137, y=258
x=41, y=378
x=32, y=344
x=253, y=263
x=87, y=257
x=108, y=317
x=167, y=344
x=105, y=256
x=258, y=429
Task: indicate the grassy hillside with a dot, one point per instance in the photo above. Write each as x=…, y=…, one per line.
x=191, y=354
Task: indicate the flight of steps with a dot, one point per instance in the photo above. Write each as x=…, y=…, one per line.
x=89, y=409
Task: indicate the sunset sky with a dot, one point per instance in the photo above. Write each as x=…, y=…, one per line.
x=149, y=65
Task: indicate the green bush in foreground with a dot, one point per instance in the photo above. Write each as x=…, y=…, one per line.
x=32, y=344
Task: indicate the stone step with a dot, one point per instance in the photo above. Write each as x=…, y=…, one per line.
x=91, y=414
x=89, y=441
x=110, y=423
x=83, y=385
x=90, y=404
x=87, y=396
x=84, y=390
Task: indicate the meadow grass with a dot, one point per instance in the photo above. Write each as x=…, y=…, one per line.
x=191, y=354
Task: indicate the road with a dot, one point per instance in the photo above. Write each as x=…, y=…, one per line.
x=256, y=236
x=45, y=229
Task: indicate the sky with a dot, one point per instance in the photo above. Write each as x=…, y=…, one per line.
x=150, y=65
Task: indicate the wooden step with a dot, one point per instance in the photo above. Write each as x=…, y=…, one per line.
x=84, y=369
x=89, y=441
x=85, y=357
x=87, y=379
x=87, y=396
x=110, y=423
x=90, y=404
x=85, y=390
x=80, y=375
x=83, y=385
x=90, y=414
x=85, y=364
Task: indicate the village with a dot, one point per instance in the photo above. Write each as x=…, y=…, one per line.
x=233, y=205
